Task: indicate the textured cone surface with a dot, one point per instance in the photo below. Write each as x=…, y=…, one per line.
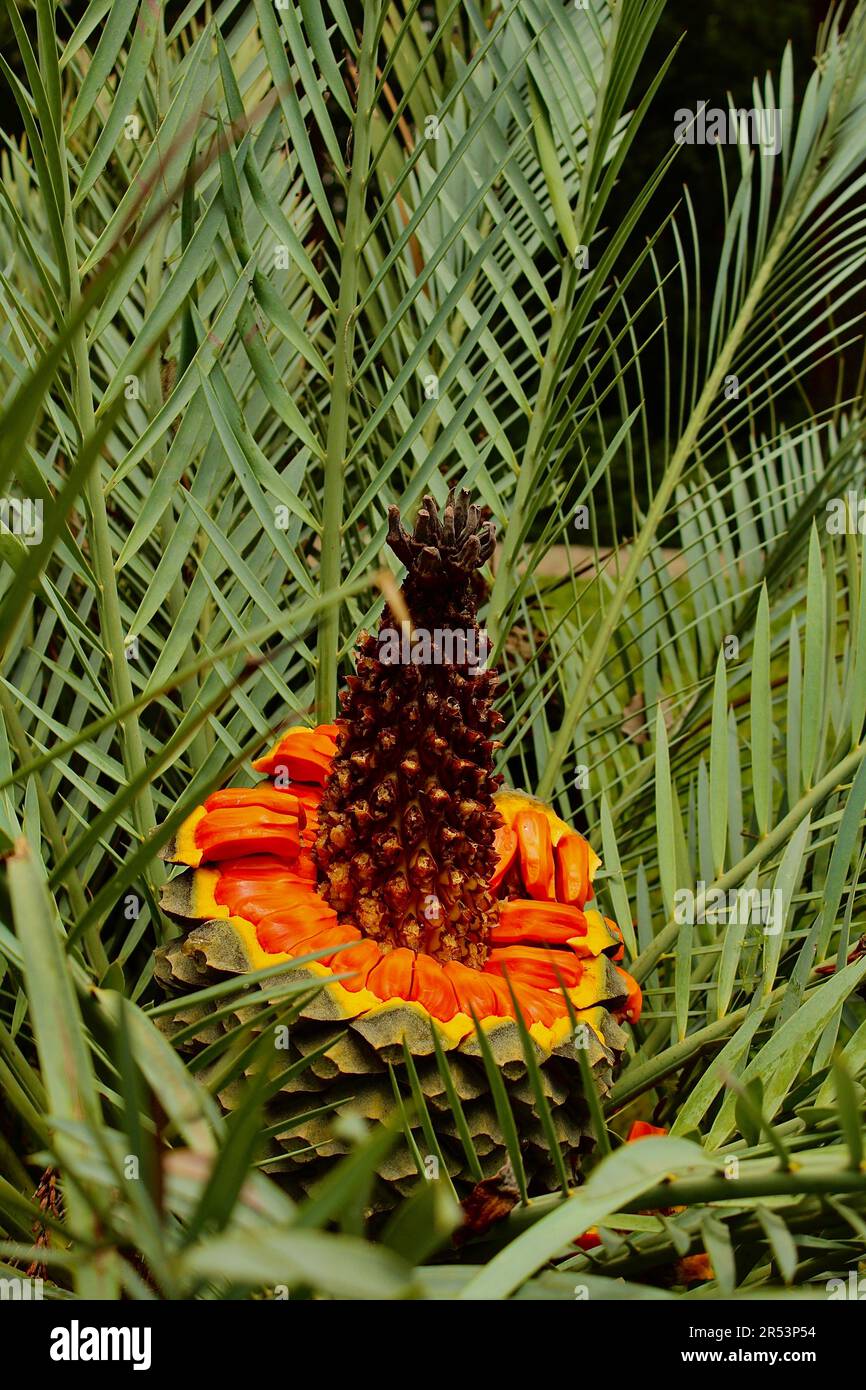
x=407, y=821
x=429, y=900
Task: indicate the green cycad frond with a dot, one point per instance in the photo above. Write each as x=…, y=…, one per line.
x=265, y=274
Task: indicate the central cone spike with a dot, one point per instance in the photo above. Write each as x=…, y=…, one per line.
x=407, y=820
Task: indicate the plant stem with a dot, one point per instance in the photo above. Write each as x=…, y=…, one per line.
x=330, y=570
x=688, y=1192
x=153, y=379
x=102, y=559
x=504, y=583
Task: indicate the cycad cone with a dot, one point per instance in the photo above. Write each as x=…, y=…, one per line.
x=382, y=844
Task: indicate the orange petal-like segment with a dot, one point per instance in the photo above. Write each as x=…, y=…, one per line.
x=505, y=844
x=223, y=834
x=641, y=1130
x=572, y=870
x=333, y=937
x=533, y=965
x=234, y=798
x=392, y=977
x=257, y=884
x=305, y=867
x=524, y=920
x=536, y=853
x=432, y=988
x=631, y=1009
x=254, y=900
x=539, y=1006
x=357, y=962
x=476, y=992
x=304, y=754
x=288, y=930
x=309, y=798
x=258, y=866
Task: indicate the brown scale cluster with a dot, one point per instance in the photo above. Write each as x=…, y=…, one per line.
x=407, y=820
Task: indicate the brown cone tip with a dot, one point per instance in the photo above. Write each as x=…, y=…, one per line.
x=407, y=820
x=442, y=553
